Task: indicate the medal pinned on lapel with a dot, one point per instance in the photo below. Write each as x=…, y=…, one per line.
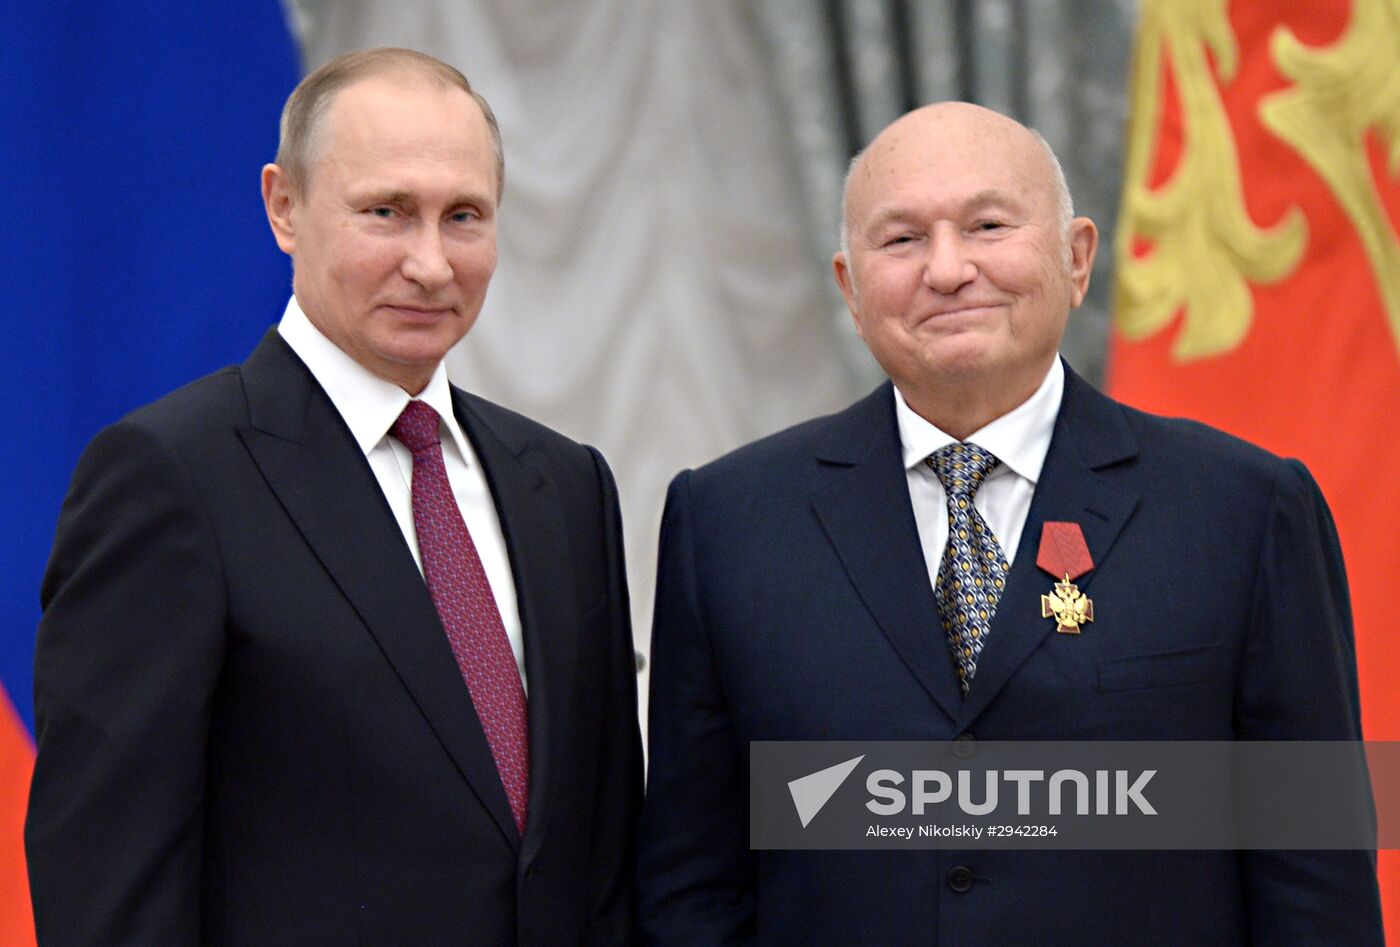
x=1063, y=552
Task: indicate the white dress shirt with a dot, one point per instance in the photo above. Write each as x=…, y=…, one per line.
x=1020, y=439
x=370, y=405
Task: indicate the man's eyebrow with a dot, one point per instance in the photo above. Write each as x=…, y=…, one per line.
x=401, y=197
x=992, y=198
x=886, y=215
x=372, y=196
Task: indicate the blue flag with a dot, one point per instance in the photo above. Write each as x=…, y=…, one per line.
x=137, y=256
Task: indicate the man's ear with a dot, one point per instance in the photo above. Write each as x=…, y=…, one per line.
x=841, y=268
x=1083, y=241
x=278, y=199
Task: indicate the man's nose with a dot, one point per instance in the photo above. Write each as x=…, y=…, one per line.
x=948, y=266
x=426, y=261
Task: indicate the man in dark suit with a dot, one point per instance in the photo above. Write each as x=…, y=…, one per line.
x=809, y=590
x=257, y=722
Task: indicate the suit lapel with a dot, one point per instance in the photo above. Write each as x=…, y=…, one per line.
x=313, y=465
x=868, y=517
x=1090, y=434
x=528, y=505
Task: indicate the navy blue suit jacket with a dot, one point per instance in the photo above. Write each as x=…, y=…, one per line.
x=794, y=603
x=251, y=727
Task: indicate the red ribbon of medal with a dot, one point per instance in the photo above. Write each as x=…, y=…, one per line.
x=1064, y=553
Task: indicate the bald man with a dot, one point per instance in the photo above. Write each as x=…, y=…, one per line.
x=872, y=575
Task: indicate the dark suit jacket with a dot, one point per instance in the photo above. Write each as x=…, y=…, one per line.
x=794, y=604
x=251, y=728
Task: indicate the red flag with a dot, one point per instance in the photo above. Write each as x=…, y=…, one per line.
x=16, y=767
x=1259, y=267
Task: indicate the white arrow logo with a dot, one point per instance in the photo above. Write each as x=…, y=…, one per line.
x=811, y=792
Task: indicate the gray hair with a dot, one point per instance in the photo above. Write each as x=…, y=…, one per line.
x=306, y=107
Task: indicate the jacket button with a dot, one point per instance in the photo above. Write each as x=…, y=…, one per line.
x=960, y=880
x=964, y=746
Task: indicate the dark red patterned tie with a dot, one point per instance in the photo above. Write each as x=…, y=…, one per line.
x=462, y=596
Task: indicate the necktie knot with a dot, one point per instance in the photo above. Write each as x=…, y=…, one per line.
x=961, y=468
x=417, y=427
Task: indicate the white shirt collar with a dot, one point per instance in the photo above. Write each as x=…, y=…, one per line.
x=1020, y=439
x=369, y=404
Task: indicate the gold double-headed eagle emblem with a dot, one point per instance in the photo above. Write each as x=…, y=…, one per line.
x=1068, y=606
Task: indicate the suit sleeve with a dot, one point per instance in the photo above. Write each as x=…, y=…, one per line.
x=1298, y=682
x=696, y=870
x=127, y=656
x=620, y=792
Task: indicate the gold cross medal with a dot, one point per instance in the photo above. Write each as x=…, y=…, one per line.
x=1068, y=606
x=1063, y=552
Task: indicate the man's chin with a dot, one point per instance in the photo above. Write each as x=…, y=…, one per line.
x=409, y=318
x=418, y=346
x=970, y=354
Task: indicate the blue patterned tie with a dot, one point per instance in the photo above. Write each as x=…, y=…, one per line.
x=973, y=572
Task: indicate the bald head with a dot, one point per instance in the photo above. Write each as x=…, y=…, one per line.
x=961, y=261
x=948, y=125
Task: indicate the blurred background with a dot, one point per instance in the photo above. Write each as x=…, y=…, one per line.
x=674, y=170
